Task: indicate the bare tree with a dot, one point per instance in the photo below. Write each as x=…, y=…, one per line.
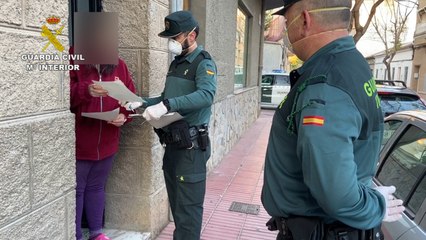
x=390, y=25
x=356, y=24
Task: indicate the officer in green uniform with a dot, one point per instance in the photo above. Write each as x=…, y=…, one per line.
x=325, y=137
x=189, y=90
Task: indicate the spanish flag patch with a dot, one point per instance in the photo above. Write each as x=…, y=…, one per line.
x=313, y=120
x=209, y=72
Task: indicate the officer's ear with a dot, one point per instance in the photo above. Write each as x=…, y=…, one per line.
x=197, y=31
x=307, y=23
x=192, y=36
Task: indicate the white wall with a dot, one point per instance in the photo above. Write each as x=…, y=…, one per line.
x=402, y=62
x=272, y=56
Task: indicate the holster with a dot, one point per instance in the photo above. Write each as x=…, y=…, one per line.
x=179, y=131
x=304, y=228
x=203, y=138
x=297, y=228
x=339, y=231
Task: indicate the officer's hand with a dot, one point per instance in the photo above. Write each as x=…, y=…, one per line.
x=97, y=91
x=129, y=106
x=394, y=208
x=154, y=112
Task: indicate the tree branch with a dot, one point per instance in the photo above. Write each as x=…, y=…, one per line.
x=360, y=30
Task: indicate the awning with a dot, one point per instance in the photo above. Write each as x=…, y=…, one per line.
x=271, y=4
x=275, y=30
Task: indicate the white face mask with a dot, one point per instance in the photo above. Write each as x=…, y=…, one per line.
x=175, y=47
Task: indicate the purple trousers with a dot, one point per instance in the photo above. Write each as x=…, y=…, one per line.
x=90, y=193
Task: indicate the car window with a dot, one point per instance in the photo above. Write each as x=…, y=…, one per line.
x=406, y=163
x=389, y=129
x=418, y=197
x=281, y=80
x=392, y=103
x=267, y=80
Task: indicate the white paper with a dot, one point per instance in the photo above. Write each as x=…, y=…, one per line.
x=106, y=116
x=119, y=91
x=166, y=120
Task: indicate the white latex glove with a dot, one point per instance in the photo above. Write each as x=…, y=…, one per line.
x=130, y=106
x=154, y=112
x=394, y=208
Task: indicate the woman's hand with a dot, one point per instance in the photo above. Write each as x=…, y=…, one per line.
x=119, y=121
x=97, y=91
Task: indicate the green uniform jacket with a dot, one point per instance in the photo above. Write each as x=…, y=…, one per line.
x=325, y=141
x=190, y=89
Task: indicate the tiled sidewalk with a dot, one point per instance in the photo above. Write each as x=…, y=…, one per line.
x=239, y=177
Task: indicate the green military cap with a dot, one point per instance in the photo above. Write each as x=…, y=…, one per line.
x=287, y=5
x=177, y=23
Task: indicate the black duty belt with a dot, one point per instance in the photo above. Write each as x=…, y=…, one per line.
x=194, y=132
x=288, y=230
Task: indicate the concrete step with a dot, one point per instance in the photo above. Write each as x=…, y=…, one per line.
x=126, y=235
x=122, y=235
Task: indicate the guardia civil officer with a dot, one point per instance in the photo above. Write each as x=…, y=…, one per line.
x=325, y=136
x=190, y=89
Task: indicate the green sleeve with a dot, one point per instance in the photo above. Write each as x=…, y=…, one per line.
x=327, y=153
x=152, y=101
x=205, y=82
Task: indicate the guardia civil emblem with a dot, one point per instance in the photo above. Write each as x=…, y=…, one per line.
x=51, y=35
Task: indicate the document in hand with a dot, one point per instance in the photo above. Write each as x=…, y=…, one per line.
x=166, y=120
x=106, y=116
x=117, y=90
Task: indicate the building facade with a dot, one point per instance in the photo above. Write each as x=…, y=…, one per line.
x=419, y=60
x=37, y=144
x=401, y=65
x=37, y=155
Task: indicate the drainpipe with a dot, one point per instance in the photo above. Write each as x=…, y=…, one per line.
x=262, y=40
x=260, y=69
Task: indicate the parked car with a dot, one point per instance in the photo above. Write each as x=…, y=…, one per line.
x=403, y=164
x=274, y=87
x=396, y=97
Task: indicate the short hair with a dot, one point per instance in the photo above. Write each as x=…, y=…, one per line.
x=196, y=30
x=329, y=19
